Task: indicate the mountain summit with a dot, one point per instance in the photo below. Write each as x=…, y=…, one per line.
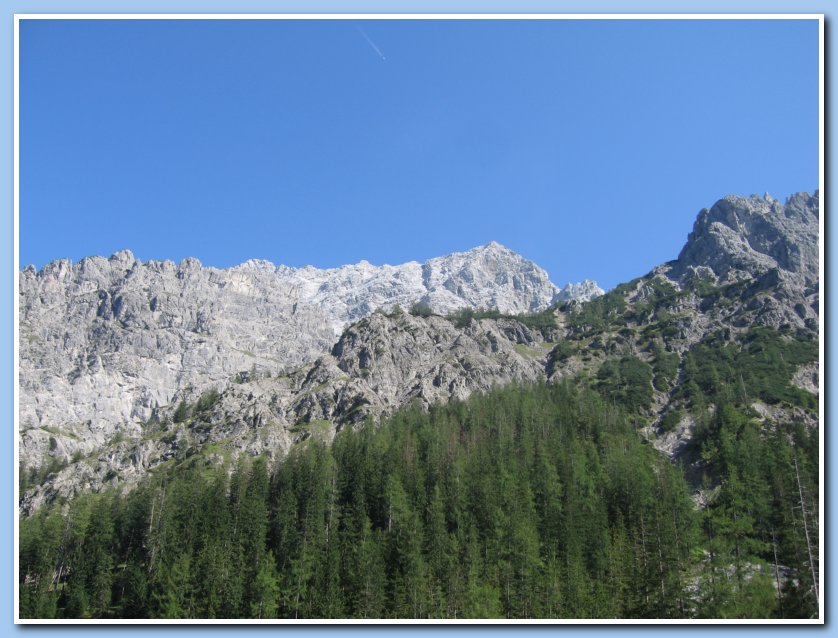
x=489, y=276
x=740, y=237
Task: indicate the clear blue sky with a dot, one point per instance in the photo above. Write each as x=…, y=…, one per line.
x=588, y=147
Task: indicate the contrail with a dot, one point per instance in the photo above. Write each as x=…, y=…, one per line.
x=371, y=43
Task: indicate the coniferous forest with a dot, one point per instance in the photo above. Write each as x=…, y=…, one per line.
x=528, y=502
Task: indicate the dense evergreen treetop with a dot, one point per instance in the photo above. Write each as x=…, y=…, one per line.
x=528, y=502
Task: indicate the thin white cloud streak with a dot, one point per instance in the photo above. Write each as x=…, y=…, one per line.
x=371, y=43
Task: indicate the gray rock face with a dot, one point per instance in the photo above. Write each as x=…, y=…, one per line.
x=583, y=291
x=490, y=276
x=377, y=366
x=107, y=342
x=748, y=236
x=773, y=246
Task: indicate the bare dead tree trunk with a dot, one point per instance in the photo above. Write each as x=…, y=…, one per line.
x=776, y=570
x=806, y=533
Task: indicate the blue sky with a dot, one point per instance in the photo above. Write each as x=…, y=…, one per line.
x=588, y=147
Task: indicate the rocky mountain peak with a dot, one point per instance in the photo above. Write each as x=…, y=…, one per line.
x=740, y=237
x=492, y=248
x=488, y=276
x=124, y=256
x=257, y=264
x=585, y=290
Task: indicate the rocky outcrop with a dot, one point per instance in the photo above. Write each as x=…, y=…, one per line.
x=748, y=236
x=745, y=237
x=583, y=291
x=490, y=276
x=771, y=246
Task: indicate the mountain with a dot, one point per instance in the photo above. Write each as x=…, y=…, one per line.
x=652, y=452
x=108, y=344
x=762, y=242
x=740, y=237
x=125, y=366
x=490, y=276
x=733, y=320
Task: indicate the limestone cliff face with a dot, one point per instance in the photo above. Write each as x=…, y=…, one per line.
x=490, y=276
x=379, y=364
x=741, y=237
x=771, y=246
x=107, y=343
